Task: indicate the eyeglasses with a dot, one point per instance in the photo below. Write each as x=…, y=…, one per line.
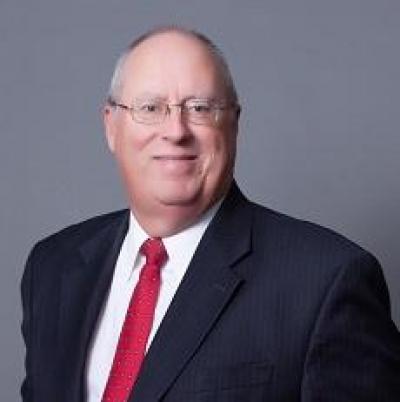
x=197, y=111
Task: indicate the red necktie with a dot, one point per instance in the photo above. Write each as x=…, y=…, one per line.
x=135, y=332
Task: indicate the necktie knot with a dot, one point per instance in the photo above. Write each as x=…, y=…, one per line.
x=154, y=251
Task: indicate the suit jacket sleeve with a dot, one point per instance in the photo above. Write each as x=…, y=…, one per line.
x=354, y=353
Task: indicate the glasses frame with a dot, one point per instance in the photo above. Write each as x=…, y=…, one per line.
x=216, y=107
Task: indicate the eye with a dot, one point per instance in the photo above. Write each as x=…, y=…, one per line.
x=199, y=108
x=202, y=108
x=150, y=108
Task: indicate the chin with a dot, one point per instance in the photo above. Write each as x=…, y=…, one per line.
x=177, y=199
x=178, y=195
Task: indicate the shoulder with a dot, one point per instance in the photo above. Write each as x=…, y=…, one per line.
x=316, y=261
x=299, y=251
x=292, y=241
x=76, y=234
x=300, y=235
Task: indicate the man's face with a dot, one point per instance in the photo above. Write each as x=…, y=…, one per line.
x=175, y=164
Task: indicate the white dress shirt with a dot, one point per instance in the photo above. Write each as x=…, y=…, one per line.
x=180, y=249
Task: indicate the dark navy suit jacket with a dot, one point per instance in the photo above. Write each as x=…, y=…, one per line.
x=270, y=309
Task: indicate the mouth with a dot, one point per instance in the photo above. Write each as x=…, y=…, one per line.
x=176, y=166
x=173, y=158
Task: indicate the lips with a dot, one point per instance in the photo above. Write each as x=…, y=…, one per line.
x=175, y=157
x=176, y=166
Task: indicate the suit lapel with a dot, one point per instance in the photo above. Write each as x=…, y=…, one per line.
x=84, y=288
x=208, y=286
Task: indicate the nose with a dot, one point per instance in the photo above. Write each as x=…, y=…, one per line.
x=175, y=127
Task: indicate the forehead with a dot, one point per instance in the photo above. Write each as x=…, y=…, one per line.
x=172, y=64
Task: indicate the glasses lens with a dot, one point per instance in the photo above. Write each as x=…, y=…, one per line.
x=201, y=111
x=149, y=112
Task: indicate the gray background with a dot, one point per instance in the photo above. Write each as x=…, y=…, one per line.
x=318, y=80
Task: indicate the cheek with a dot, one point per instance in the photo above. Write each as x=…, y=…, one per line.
x=219, y=150
x=131, y=152
x=132, y=141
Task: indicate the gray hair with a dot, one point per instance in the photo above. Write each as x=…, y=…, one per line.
x=116, y=80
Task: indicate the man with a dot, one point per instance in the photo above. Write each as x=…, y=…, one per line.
x=195, y=293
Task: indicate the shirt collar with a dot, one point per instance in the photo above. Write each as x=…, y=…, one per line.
x=178, y=245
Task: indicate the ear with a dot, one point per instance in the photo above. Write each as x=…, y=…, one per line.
x=109, y=126
x=236, y=119
x=238, y=112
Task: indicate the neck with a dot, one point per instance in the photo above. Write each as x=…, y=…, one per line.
x=163, y=220
x=169, y=220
